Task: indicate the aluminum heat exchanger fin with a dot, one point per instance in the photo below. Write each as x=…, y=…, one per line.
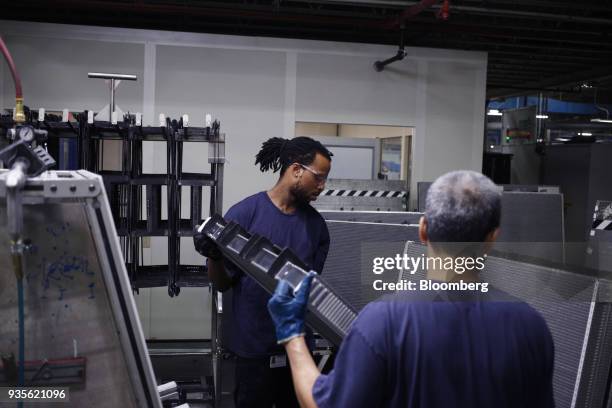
x=266, y=263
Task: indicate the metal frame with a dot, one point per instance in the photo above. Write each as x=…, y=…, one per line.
x=363, y=195
x=88, y=189
x=123, y=186
x=389, y=217
x=124, y=193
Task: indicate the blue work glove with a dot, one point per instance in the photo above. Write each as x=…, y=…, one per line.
x=288, y=311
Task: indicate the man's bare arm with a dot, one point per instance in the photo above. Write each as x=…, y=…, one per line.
x=303, y=370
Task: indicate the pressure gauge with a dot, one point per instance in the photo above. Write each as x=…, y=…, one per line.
x=26, y=133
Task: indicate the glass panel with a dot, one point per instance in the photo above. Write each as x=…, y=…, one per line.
x=264, y=259
x=237, y=243
x=292, y=274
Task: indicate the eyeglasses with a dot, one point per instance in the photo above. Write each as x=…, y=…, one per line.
x=320, y=178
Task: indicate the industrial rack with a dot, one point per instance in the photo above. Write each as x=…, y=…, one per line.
x=125, y=186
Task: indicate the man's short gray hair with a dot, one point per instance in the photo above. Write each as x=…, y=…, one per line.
x=462, y=206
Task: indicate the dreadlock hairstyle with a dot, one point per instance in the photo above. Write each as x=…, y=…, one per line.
x=278, y=153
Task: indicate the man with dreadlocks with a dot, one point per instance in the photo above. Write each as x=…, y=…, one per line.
x=284, y=216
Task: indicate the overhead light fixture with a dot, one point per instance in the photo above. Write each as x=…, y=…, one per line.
x=541, y=116
x=585, y=134
x=602, y=120
x=562, y=139
x=494, y=112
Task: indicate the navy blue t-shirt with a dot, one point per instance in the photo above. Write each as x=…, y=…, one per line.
x=304, y=232
x=442, y=354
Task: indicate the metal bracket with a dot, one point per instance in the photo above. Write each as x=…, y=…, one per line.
x=59, y=184
x=216, y=149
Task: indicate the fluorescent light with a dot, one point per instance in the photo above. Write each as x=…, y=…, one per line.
x=602, y=120
x=494, y=112
x=562, y=139
x=541, y=116
x=585, y=134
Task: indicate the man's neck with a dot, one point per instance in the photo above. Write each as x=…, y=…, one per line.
x=282, y=198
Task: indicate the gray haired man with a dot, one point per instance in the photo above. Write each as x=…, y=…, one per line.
x=467, y=353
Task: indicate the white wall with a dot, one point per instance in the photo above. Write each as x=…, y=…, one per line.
x=373, y=131
x=258, y=88
x=54, y=73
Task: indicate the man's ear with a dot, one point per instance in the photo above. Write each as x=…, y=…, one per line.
x=492, y=236
x=490, y=239
x=423, y=230
x=296, y=170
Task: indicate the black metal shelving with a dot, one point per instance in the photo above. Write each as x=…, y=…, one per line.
x=125, y=187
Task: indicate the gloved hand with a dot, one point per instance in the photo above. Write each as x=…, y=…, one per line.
x=206, y=246
x=288, y=311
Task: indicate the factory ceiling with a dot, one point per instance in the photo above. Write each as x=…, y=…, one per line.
x=560, y=47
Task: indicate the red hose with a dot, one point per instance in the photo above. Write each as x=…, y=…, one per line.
x=9, y=60
x=408, y=13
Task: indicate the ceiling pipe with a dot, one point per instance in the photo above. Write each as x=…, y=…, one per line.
x=502, y=91
x=288, y=16
x=261, y=14
x=482, y=10
x=515, y=33
x=408, y=13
